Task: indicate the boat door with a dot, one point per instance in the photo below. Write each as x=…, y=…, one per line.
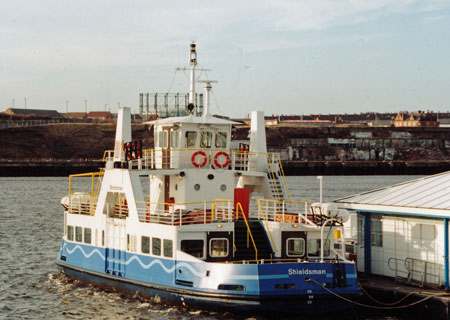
x=166, y=148
x=116, y=245
x=166, y=192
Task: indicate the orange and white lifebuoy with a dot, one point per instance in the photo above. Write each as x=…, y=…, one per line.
x=221, y=164
x=203, y=159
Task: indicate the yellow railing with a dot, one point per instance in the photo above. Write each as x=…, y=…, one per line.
x=282, y=174
x=76, y=202
x=89, y=174
x=249, y=232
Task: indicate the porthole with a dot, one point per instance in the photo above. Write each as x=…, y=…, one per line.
x=196, y=187
x=176, y=187
x=210, y=176
x=223, y=187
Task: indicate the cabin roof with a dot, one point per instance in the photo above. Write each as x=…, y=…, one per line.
x=430, y=193
x=192, y=119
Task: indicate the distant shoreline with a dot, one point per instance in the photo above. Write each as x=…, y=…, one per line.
x=65, y=167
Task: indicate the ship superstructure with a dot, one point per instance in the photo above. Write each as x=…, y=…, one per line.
x=195, y=221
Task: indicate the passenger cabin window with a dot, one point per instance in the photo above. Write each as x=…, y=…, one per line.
x=70, y=233
x=221, y=139
x=78, y=234
x=193, y=247
x=191, y=138
x=218, y=247
x=145, y=244
x=295, y=247
x=87, y=235
x=168, y=248
x=174, y=139
x=206, y=139
x=156, y=246
x=314, y=248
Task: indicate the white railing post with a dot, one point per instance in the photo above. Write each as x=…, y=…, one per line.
x=204, y=212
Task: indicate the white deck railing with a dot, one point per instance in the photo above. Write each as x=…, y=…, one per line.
x=182, y=159
x=186, y=213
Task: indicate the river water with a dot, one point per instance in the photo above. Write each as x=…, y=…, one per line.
x=33, y=287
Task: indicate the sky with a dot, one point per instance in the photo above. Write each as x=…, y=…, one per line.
x=282, y=56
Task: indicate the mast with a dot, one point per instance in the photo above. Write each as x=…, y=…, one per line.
x=193, y=64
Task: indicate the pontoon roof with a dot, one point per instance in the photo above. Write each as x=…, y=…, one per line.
x=426, y=196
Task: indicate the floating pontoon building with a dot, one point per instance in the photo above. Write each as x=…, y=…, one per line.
x=401, y=231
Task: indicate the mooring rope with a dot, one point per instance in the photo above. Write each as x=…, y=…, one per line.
x=374, y=307
x=385, y=303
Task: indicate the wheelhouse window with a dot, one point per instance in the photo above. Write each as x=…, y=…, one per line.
x=206, y=139
x=314, y=247
x=174, y=139
x=145, y=244
x=166, y=139
x=160, y=139
x=193, y=247
x=156, y=246
x=218, y=247
x=87, y=235
x=70, y=233
x=79, y=234
x=295, y=247
x=221, y=139
x=168, y=248
x=191, y=138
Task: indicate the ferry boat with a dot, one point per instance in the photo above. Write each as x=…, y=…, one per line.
x=200, y=223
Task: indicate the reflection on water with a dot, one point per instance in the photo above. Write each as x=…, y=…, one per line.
x=32, y=287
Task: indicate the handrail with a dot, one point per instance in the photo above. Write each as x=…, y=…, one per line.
x=238, y=205
x=284, y=177
x=269, y=161
x=89, y=174
x=267, y=228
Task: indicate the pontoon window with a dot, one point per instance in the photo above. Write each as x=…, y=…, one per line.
x=191, y=138
x=206, y=139
x=314, y=248
x=193, y=247
x=377, y=232
x=360, y=229
x=145, y=244
x=78, y=234
x=156, y=246
x=70, y=233
x=295, y=247
x=218, y=247
x=87, y=235
x=221, y=139
x=174, y=139
x=168, y=248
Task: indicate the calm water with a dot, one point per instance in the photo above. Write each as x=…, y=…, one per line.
x=32, y=287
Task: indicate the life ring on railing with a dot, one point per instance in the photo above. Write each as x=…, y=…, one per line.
x=223, y=164
x=194, y=159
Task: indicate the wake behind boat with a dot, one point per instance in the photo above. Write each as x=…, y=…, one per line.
x=217, y=228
